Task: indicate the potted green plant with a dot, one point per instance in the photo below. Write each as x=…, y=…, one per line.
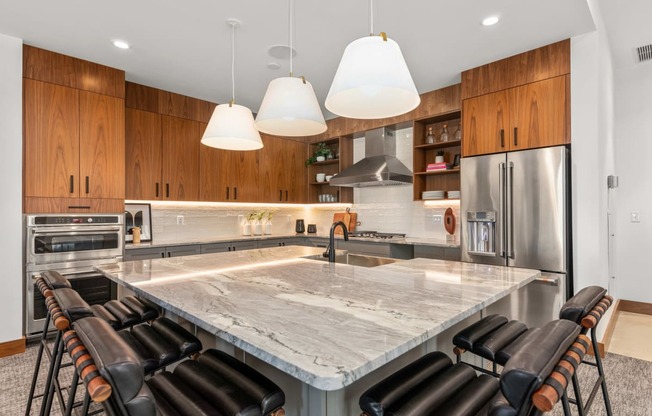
x=246, y=226
x=321, y=152
x=268, y=223
x=258, y=225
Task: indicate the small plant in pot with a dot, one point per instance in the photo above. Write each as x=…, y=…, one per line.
x=321, y=152
x=268, y=222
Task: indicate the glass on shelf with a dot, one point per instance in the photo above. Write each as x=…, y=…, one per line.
x=430, y=138
x=458, y=133
x=444, y=134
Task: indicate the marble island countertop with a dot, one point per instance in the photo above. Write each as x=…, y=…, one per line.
x=325, y=324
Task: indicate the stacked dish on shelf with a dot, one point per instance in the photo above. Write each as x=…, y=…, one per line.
x=433, y=195
x=454, y=194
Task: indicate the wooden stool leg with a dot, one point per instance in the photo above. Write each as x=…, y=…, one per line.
x=37, y=366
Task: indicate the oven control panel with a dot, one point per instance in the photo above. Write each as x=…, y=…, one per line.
x=77, y=219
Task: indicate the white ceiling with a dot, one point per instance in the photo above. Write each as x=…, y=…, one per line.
x=185, y=46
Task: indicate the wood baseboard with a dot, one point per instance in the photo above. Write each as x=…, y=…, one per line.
x=635, y=307
x=609, y=331
x=12, y=347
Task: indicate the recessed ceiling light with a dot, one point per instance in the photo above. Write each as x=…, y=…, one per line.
x=120, y=44
x=490, y=21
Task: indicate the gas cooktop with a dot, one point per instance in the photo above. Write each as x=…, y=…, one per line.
x=375, y=234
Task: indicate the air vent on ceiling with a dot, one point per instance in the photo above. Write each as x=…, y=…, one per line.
x=644, y=53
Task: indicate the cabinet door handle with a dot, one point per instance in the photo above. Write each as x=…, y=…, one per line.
x=233, y=248
x=72, y=184
x=502, y=137
x=280, y=195
x=79, y=207
x=229, y=248
x=515, y=136
x=235, y=193
x=286, y=195
x=227, y=192
x=163, y=254
x=157, y=189
x=169, y=254
x=167, y=190
x=87, y=184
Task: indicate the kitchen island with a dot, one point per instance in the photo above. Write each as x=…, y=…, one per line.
x=324, y=332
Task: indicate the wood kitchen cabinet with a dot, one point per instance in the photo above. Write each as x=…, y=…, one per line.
x=282, y=175
x=180, y=158
x=228, y=176
x=74, y=148
x=143, y=155
x=524, y=117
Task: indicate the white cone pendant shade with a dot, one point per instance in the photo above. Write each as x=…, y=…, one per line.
x=372, y=81
x=232, y=128
x=290, y=108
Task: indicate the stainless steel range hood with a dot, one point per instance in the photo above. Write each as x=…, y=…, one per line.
x=380, y=167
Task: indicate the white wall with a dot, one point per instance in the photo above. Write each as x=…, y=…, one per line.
x=633, y=161
x=11, y=255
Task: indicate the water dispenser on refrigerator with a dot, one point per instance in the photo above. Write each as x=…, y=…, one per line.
x=481, y=232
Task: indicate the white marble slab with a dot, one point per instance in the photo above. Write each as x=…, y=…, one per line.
x=324, y=324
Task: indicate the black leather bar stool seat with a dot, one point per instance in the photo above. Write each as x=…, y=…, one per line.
x=194, y=388
x=433, y=385
x=126, y=312
x=161, y=343
x=55, y=280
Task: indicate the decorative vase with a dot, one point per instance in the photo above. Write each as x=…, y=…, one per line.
x=268, y=228
x=321, y=158
x=258, y=229
x=246, y=229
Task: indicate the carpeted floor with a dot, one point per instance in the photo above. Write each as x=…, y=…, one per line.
x=629, y=381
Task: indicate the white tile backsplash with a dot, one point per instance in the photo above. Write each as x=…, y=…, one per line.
x=384, y=209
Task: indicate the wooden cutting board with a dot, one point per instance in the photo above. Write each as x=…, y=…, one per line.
x=449, y=221
x=350, y=218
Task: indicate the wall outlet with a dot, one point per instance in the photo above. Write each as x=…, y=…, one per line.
x=437, y=219
x=636, y=216
x=181, y=220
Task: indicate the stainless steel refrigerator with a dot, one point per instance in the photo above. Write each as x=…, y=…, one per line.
x=515, y=212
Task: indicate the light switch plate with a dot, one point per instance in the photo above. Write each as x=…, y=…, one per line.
x=181, y=220
x=636, y=216
x=437, y=219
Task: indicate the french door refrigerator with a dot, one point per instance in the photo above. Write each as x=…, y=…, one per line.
x=515, y=212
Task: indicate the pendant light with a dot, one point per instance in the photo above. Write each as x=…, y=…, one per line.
x=290, y=107
x=231, y=126
x=372, y=80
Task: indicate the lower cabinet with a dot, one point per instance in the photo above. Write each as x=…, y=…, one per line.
x=228, y=246
x=438, y=253
x=147, y=253
x=281, y=242
x=395, y=251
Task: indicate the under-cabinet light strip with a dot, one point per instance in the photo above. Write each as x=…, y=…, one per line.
x=239, y=204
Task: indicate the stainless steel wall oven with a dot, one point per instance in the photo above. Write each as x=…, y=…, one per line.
x=70, y=244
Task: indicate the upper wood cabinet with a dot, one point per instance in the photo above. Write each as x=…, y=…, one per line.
x=282, y=171
x=228, y=176
x=74, y=144
x=180, y=158
x=74, y=140
x=529, y=116
x=143, y=155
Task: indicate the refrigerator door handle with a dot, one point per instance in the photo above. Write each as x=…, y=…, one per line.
x=501, y=206
x=510, y=202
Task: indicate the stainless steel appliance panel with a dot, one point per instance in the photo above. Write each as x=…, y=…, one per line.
x=536, y=209
x=483, y=190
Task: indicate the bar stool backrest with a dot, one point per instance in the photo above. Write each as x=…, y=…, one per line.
x=581, y=304
x=532, y=365
x=55, y=280
x=119, y=366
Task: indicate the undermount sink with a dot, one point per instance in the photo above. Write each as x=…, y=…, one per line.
x=361, y=260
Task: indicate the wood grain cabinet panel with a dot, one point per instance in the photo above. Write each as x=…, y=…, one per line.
x=293, y=163
x=143, y=155
x=486, y=124
x=228, y=176
x=272, y=170
x=51, y=140
x=539, y=114
x=102, y=146
x=180, y=158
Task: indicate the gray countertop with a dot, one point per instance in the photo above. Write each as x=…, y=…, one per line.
x=435, y=242
x=324, y=324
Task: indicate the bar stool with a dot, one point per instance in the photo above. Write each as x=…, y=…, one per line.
x=533, y=380
x=496, y=339
x=210, y=385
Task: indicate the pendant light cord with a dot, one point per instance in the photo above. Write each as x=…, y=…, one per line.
x=232, y=64
x=290, y=22
x=371, y=17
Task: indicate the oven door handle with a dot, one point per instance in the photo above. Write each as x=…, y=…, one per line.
x=75, y=231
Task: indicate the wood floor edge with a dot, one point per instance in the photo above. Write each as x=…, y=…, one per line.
x=12, y=347
x=611, y=326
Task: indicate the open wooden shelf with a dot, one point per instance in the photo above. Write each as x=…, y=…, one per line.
x=439, y=172
x=439, y=145
x=326, y=162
